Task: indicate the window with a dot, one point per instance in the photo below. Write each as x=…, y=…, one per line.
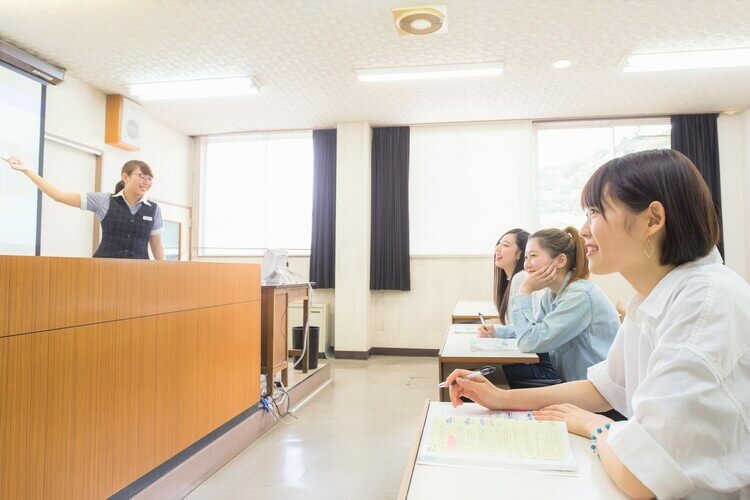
x=256, y=193
x=568, y=153
x=468, y=184
x=21, y=108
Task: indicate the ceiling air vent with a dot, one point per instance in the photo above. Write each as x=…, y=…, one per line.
x=421, y=21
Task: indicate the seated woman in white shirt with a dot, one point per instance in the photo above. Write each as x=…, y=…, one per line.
x=679, y=368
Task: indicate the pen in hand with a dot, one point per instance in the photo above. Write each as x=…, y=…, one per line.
x=485, y=370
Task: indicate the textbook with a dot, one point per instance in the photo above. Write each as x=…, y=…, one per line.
x=473, y=436
x=493, y=344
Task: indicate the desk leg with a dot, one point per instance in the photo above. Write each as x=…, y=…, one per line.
x=305, y=318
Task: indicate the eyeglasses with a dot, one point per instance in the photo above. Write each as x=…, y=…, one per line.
x=146, y=178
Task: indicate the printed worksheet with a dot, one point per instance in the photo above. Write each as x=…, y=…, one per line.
x=473, y=436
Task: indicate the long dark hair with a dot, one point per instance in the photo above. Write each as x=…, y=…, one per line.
x=692, y=227
x=501, y=286
x=129, y=168
x=566, y=241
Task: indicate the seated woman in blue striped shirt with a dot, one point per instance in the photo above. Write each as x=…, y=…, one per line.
x=575, y=324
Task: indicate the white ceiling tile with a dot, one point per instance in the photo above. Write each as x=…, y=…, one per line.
x=303, y=54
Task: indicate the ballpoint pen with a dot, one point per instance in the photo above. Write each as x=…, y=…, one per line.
x=481, y=318
x=485, y=370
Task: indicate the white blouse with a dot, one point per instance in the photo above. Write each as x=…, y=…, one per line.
x=679, y=369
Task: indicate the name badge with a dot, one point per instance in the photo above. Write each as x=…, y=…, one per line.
x=147, y=217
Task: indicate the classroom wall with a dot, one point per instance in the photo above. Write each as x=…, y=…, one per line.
x=418, y=318
x=76, y=112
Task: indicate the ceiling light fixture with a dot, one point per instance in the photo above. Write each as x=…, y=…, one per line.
x=562, y=63
x=429, y=72
x=193, y=89
x=695, y=59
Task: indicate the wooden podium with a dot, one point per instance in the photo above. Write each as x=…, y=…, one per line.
x=274, y=332
x=110, y=367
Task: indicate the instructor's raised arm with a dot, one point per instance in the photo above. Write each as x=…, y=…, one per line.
x=71, y=199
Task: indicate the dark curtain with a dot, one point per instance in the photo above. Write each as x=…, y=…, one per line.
x=323, y=245
x=389, y=241
x=697, y=137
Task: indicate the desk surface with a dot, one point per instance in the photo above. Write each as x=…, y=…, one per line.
x=468, y=310
x=438, y=482
x=457, y=348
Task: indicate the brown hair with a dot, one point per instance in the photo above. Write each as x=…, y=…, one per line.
x=129, y=168
x=669, y=177
x=501, y=287
x=568, y=242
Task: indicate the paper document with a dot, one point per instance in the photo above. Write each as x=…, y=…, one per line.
x=493, y=344
x=475, y=437
x=464, y=328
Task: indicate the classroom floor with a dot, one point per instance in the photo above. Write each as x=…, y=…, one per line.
x=351, y=440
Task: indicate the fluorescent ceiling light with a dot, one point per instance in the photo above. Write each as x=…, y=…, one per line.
x=429, y=72
x=191, y=89
x=696, y=59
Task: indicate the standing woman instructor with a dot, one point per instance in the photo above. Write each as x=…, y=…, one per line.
x=130, y=222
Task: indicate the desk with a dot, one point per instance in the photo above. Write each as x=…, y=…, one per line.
x=438, y=482
x=456, y=353
x=275, y=301
x=467, y=311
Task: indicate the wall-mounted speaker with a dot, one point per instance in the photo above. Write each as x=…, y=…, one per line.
x=123, y=123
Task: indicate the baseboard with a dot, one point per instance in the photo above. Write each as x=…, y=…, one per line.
x=361, y=355
x=183, y=473
x=403, y=351
x=386, y=351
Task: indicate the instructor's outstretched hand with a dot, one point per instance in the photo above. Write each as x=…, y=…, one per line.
x=15, y=163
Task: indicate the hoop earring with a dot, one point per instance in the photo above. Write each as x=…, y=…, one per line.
x=649, y=248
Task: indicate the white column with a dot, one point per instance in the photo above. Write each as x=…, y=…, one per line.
x=352, y=295
x=733, y=165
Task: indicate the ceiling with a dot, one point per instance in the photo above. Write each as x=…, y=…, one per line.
x=303, y=54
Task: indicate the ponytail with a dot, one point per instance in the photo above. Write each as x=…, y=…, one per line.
x=577, y=256
x=119, y=187
x=568, y=242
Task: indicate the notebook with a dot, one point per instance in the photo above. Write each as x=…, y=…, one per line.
x=464, y=328
x=493, y=344
x=473, y=436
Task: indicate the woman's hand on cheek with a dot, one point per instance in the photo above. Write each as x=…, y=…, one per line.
x=539, y=280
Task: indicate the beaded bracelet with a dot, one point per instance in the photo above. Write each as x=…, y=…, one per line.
x=599, y=430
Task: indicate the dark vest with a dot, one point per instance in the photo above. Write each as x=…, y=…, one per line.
x=125, y=236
